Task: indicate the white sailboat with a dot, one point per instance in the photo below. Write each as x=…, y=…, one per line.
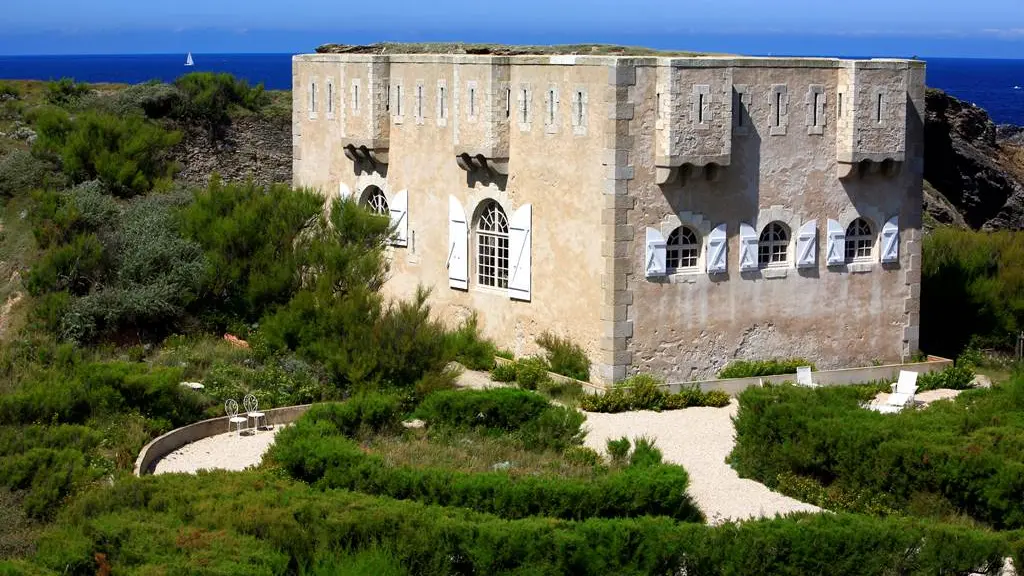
x=188, y=60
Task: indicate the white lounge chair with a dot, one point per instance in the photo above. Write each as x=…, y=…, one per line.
x=231, y=408
x=902, y=394
x=252, y=411
x=803, y=377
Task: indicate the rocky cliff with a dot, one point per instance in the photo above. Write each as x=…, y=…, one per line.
x=975, y=170
x=254, y=146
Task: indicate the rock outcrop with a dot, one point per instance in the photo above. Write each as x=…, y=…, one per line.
x=977, y=168
x=253, y=147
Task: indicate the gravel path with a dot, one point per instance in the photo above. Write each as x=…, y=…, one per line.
x=228, y=451
x=699, y=439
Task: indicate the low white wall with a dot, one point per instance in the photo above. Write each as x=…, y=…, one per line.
x=840, y=377
x=171, y=441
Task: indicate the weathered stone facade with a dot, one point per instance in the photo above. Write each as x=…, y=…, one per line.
x=761, y=166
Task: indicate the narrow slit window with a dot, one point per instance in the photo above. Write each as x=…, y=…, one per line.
x=523, y=109
x=419, y=101
x=839, y=110
x=330, y=98
x=441, y=102
x=700, y=109
x=814, y=110
x=778, y=108
x=658, y=104
x=551, y=106
x=739, y=108
x=878, y=109
x=508, y=102
x=387, y=98
x=579, y=108
x=398, y=100
x=355, y=96
x=312, y=96
x=472, y=101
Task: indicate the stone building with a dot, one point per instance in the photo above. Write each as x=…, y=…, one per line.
x=669, y=214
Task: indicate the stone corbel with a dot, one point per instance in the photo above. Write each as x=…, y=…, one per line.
x=481, y=163
x=887, y=168
x=364, y=154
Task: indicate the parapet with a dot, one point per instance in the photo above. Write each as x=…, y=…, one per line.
x=871, y=131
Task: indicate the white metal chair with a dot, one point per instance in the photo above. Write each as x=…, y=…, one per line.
x=803, y=377
x=252, y=411
x=231, y=407
x=902, y=394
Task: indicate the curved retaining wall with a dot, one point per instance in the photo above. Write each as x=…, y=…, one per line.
x=164, y=445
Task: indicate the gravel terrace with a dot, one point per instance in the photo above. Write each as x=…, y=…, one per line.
x=229, y=451
x=699, y=439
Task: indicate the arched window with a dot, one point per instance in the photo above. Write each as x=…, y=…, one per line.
x=860, y=242
x=773, y=245
x=682, y=250
x=492, y=246
x=376, y=201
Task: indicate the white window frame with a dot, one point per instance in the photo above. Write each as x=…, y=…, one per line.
x=375, y=200
x=580, y=109
x=420, y=98
x=772, y=245
x=498, y=278
x=397, y=109
x=816, y=119
x=551, y=100
x=778, y=104
x=441, y=105
x=524, y=108
x=855, y=244
x=330, y=99
x=675, y=251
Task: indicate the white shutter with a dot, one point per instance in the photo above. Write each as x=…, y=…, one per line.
x=655, y=255
x=458, y=245
x=344, y=192
x=519, y=239
x=748, y=248
x=399, y=207
x=891, y=240
x=836, y=248
x=717, y=250
x=807, y=245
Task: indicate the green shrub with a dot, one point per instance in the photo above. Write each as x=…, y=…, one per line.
x=21, y=172
x=958, y=377
x=468, y=348
x=983, y=273
x=505, y=372
x=362, y=414
x=754, y=368
x=336, y=462
x=210, y=98
x=72, y=267
x=66, y=92
x=565, y=357
x=127, y=153
x=582, y=456
x=531, y=372
x=645, y=392
x=556, y=428
x=9, y=90
x=506, y=354
x=153, y=99
x=561, y=390
x=505, y=409
x=172, y=523
x=961, y=455
x=834, y=498
x=645, y=453
x=618, y=450
x=432, y=382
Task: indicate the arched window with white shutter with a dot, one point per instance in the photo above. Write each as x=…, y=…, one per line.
x=491, y=242
x=374, y=199
x=682, y=251
x=860, y=241
x=773, y=245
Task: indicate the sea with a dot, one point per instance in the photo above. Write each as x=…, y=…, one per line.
x=997, y=85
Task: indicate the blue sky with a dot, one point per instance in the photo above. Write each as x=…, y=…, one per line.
x=981, y=28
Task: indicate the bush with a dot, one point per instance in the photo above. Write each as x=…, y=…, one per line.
x=556, y=428
x=127, y=153
x=72, y=267
x=498, y=409
x=505, y=372
x=210, y=98
x=336, y=462
x=983, y=273
x=754, y=368
x=958, y=377
x=618, y=450
x=362, y=414
x=9, y=90
x=151, y=525
x=947, y=455
x=582, y=456
x=531, y=372
x=66, y=92
x=21, y=172
x=645, y=453
x=466, y=347
x=153, y=99
x=565, y=357
x=644, y=392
